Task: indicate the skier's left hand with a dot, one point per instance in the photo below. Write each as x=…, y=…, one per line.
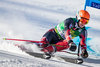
x=84, y=53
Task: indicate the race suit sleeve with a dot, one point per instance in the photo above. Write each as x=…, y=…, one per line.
x=67, y=24
x=83, y=37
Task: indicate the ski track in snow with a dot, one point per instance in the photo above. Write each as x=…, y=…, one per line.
x=8, y=59
x=30, y=19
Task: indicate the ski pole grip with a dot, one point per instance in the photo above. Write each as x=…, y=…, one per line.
x=4, y=38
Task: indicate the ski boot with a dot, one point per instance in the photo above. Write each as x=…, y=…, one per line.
x=48, y=51
x=47, y=54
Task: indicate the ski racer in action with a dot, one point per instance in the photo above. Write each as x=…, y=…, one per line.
x=61, y=36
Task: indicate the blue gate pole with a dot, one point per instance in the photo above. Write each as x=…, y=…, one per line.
x=85, y=5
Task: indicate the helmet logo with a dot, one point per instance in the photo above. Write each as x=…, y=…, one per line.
x=81, y=14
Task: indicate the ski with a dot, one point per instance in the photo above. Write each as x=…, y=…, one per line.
x=73, y=60
x=67, y=59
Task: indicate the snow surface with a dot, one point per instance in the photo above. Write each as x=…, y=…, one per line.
x=30, y=19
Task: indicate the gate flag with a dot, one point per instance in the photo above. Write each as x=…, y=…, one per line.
x=92, y=3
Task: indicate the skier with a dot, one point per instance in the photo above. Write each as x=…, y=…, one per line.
x=60, y=37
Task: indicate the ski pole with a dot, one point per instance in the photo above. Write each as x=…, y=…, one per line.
x=78, y=51
x=23, y=40
x=29, y=41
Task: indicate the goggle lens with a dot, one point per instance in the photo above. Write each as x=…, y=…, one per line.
x=84, y=20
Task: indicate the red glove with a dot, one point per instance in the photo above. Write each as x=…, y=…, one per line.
x=72, y=45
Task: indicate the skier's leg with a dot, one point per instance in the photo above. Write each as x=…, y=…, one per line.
x=61, y=45
x=49, y=37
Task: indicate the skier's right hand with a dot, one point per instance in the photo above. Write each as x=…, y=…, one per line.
x=72, y=45
x=84, y=53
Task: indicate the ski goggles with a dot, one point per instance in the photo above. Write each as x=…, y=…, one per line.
x=84, y=20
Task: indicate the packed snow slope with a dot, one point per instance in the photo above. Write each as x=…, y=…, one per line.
x=30, y=19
